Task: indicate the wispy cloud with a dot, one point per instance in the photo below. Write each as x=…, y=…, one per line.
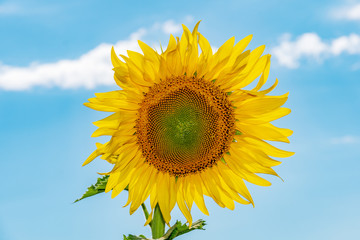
x=355, y=66
x=170, y=27
x=350, y=12
x=9, y=8
x=26, y=9
x=89, y=70
x=347, y=139
x=310, y=46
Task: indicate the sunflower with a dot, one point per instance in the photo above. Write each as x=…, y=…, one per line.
x=184, y=127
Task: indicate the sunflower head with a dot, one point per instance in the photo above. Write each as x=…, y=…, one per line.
x=183, y=126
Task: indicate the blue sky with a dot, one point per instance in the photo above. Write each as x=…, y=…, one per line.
x=54, y=55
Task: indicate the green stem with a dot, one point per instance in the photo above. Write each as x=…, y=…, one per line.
x=146, y=213
x=158, y=223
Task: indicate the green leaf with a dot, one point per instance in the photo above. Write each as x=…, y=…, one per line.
x=179, y=229
x=133, y=237
x=99, y=187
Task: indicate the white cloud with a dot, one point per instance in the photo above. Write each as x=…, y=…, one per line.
x=9, y=9
x=346, y=44
x=310, y=46
x=289, y=52
x=350, y=12
x=170, y=27
x=189, y=19
x=348, y=139
x=26, y=9
x=89, y=70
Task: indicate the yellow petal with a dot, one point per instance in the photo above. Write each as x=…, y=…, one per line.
x=230, y=192
x=249, y=163
x=149, y=219
x=149, y=53
x=135, y=72
x=246, y=175
x=163, y=195
x=264, y=76
x=181, y=203
x=172, y=192
x=139, y=184
x=211, y=188
x=198, y=194
x=264, y=118
x=239, y=48
x=224, y=195
x=260, y=105
x=235, y=182
x=204, y=46
x=268, y=148
x=253, y=74
x=188, y=193
x=101, y=107
x=225, y=50
x=254, y=56
x=116, y=62
x=266, y=91
x=266, y=131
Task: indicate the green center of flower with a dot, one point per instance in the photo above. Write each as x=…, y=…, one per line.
x=182, y=128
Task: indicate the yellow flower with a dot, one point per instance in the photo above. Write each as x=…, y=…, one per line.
x=183, y=127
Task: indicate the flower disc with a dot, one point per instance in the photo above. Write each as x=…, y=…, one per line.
x=185, y=125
